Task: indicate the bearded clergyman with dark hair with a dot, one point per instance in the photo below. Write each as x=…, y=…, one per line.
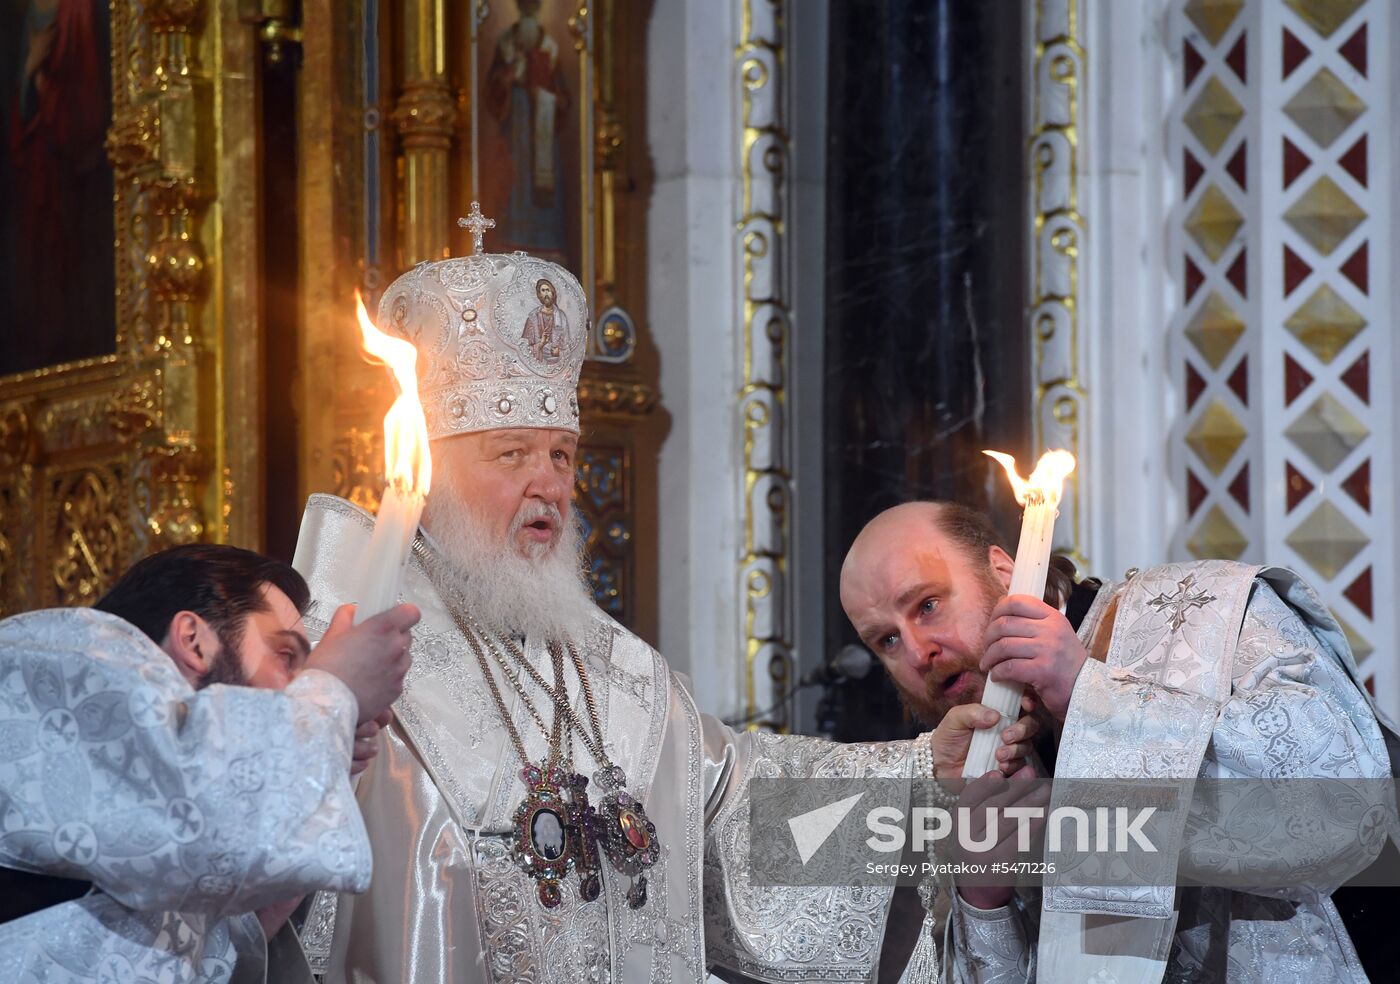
x=175, y=769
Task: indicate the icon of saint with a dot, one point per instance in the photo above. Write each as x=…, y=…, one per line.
x=527, y=94
x=547, y=326
x=547, y=835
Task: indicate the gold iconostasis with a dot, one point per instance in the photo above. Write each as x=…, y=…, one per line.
x=192, y=192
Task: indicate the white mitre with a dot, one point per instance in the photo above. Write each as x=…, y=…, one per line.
x=500, y=338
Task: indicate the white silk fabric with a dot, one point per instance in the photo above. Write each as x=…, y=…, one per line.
x=450, y=905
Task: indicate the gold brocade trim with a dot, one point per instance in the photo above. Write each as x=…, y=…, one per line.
x=765, y=147
x=1058, y=230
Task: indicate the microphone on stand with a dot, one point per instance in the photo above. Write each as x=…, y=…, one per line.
x=852, y=662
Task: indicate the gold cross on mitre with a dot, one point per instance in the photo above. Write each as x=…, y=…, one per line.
x=478, y=224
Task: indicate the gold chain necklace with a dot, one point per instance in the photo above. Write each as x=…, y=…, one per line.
x=553, y=825
x=554, y=832
x=626, y=834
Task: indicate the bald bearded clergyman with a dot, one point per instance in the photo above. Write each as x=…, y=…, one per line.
x=1210, y=669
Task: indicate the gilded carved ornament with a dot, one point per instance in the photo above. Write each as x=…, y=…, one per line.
x=89, y=534
x=104, y=459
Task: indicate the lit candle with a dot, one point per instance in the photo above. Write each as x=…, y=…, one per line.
x=407, y=471
x=1040, y=494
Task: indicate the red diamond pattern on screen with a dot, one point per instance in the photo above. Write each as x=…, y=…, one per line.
x=1237, y=274
x=1295, y=271
x=1358, y=485
x=1239, y=380
x=1236, y=58
x=1359, y=593
x=1295, y=380
x=1195, y=493
x=1358, y=377
x=1191, y=64
x=1296, y=485
x=1193, y=279
x=1239, y=488
x=1236, y=167
x=1354, y=161
x=1294, y=53
x=1357, y=268
x=1295, y=162
x=1354, y=50
x=1195, y=385
x=1191, y=172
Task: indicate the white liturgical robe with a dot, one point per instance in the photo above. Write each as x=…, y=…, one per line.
x=186, y=810
x=1214, y=670
x=449, y=904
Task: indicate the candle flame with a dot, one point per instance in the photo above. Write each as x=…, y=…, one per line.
x=408, y=466
x=1046, y=483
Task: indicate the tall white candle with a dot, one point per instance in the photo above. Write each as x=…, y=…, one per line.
x=1041, y=497
x=408, y=468
x=394, y=529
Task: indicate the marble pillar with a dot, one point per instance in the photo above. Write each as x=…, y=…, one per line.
x=925, y=353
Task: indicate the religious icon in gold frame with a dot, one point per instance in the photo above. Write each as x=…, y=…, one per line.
x=118, y=394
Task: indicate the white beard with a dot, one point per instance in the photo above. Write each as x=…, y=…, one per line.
x=544, y=595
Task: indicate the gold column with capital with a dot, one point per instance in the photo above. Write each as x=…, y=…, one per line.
x=425, y=117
